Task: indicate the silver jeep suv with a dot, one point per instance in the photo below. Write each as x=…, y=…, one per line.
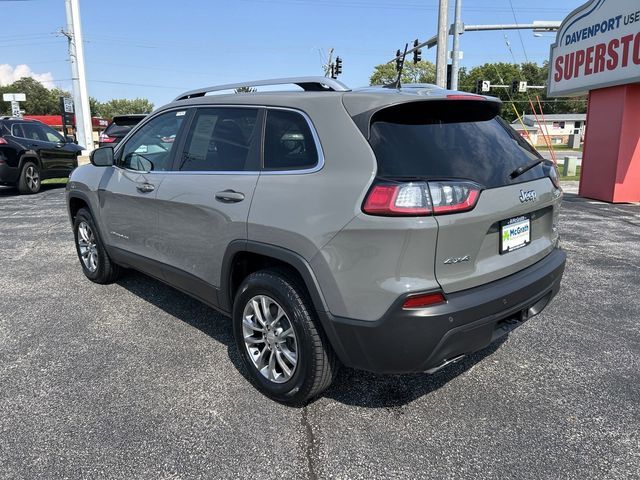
x=391, y=230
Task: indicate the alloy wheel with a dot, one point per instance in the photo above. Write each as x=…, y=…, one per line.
x=32, y=177
x=270, y=338
x=87, y=246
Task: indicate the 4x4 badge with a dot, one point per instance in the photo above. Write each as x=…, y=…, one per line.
x=528, y=196
x=454, y=260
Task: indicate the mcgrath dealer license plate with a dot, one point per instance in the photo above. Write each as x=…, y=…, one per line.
x=515, y=233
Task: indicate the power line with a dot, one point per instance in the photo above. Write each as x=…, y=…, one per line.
x=402, y=6
x=524, y=50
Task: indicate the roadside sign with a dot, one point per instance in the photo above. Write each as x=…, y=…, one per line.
x=597, y=46
x=486, y=86
x=14, y=97
x=522, y=87
x=67, y=104
x=15, y=109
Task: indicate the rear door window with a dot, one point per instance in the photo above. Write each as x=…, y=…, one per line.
x=288, y=142
x=449, y=139
x=33, y=131
x=221, y=140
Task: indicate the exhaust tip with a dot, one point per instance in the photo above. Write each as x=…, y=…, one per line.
x=444, y=364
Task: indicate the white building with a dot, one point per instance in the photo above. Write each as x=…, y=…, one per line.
x=556, y=127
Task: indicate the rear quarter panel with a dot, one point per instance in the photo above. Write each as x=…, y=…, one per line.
x=302, y=212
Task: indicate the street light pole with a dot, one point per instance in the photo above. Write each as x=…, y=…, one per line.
x=443, y=44
x=80, y=95
x=455, y=54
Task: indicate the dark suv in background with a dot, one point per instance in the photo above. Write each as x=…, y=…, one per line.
x=31, y=151
x=120, y=125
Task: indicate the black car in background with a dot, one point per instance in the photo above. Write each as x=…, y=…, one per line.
x=31, y=151
x=118, y=128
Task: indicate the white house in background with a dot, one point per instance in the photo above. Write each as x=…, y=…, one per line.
x=556, y=127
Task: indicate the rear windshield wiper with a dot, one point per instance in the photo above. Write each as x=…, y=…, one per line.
x=525, y=168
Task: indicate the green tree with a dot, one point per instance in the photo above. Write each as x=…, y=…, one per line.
x=40, y=100
x=421, y=72
x=533, y=74
x=119, y=106
x=43, y=101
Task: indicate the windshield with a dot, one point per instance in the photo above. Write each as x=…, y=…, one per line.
x=450, y=139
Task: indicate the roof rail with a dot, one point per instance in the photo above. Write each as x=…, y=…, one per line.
x=308, y=84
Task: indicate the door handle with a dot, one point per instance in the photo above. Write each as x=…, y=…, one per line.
x=229, y=196
x=145, y=187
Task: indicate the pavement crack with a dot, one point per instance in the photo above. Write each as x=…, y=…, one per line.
x=310, y=448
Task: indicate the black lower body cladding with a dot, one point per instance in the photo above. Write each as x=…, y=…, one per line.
x=404, y=341
x=8, y=175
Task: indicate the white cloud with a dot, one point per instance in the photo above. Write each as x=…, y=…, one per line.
x=8, y=75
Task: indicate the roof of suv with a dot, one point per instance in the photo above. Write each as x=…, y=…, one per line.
x=19, y=119
x=321, y=88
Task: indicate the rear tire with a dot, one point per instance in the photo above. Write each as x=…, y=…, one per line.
x=268, y=352
x=29, y=181
x=95, y=262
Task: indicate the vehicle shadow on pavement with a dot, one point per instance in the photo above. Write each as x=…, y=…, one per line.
x=370, y=390
x=351, y=387
x=184, y=308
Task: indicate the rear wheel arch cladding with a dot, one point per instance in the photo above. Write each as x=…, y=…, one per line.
x=30, y=156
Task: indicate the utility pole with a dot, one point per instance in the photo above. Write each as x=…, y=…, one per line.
x=443, y=44
x=80, y=95
x=329, y=66
x=455, y=53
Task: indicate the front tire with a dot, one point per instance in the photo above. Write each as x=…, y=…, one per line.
x=95, y=262
x=29, y=181
x=287, y=355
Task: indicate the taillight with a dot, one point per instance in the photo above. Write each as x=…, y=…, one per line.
x=424, y=300
x=421, y=198
x=553, y=175
x=3, y=141
x=106, y=138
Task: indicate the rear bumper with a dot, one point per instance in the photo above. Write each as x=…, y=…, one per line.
x=419, y=340
x=8, y=174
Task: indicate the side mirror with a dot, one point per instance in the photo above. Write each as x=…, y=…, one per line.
x=102, y=157
x=69, y=139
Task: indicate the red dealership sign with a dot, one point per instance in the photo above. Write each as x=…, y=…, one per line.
x=598, y=45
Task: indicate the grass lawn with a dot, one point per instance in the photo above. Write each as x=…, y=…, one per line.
x=50, y=181
x=565, y=148
x=576, y=177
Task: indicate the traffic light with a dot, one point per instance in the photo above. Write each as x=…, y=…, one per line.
x=398, y=61
x=417, y=53
x=515, y=86
x=448, y=76
x=338, y=69
x=479, y=86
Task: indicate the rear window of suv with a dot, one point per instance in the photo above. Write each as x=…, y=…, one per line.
x=122, y=126
x=450, y=139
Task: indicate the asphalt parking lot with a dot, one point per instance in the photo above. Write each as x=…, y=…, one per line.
x=137, y=380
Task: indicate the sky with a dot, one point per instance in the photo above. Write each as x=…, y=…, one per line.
x=157, y=49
